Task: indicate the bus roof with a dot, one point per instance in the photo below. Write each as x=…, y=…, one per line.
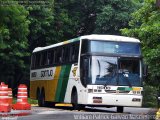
x=110, y=38
x=91, y=37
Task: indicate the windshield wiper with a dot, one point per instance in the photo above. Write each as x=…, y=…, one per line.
x=99, y=67
x=112, y=72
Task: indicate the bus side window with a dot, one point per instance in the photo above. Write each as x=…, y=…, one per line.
x=60, y=52
x=70, y=54
x=74, y=52
x=37, y=61
x=62, y=57
x=57, y=56
x=33, y=61
x=43, y=58
x=52, y=57
x=49, y=58
x=65, y=54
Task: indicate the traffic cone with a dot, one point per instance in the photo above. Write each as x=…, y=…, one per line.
x=10, y=97
x=4, y=104
x=22, y=99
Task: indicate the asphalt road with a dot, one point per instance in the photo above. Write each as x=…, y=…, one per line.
x=65, y=113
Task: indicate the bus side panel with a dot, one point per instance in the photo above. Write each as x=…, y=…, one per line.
x=74, y=81
x=50, y=89
x=62, y=83
x=71, y=83
x=33, y=89
x=34, y=85
x=43, y=82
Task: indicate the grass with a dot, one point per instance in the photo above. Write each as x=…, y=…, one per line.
x=30, y=101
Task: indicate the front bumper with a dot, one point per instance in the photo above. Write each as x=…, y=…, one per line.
x=114, y=100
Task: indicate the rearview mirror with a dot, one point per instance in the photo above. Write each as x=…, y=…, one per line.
x=145, y=70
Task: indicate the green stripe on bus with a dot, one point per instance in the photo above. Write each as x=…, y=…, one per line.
x=62, y=83
x=75, y=39
x=124, y=88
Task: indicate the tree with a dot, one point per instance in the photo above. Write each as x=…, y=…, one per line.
x=114, y=15
x=41, y=29
x=13, y=40
x=145, y=25
x=76, y=18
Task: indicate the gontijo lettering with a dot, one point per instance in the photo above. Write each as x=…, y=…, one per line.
x=46, y=73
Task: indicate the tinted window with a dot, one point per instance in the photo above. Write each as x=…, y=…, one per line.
x=65, y=54
x=37, y=61
x=50, y=57
x=44, y=58
x=115, y=47
x=33, y=61
x=74, y=52
x=57, y=56
x=85, y=46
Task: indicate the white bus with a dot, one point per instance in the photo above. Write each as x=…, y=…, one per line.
x=91, y=70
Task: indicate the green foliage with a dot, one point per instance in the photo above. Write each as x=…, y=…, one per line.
x=13, y=43
x=13, y=34
x=145, y=25
x=80, y=17
x=24, y=26
x=149, y=96
x=41, y=28
x=114, y=15
x=32, y=101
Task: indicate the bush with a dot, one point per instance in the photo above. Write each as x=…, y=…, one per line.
x=149, y=96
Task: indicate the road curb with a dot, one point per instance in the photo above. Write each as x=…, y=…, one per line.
x=16, y=113
x=34, y=104
x=63, y=105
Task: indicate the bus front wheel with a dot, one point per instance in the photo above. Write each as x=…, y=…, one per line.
x=74, y=101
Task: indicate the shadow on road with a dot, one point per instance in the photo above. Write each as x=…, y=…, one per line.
x=86, y=109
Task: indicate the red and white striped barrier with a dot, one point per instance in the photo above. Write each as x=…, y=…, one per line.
x=22, y=99
x=4, y=104
x=10, y=97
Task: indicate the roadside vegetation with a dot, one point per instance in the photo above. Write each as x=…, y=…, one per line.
x=26, y=25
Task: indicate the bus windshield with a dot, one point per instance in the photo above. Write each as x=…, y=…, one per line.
x=111, y=47
x=115, y=71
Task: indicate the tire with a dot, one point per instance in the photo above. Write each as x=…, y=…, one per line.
x=41, y=99
x=50, y=104
x=120, y=109
x=74, y=101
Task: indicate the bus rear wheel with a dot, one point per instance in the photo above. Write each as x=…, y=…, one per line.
x=41, y=99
